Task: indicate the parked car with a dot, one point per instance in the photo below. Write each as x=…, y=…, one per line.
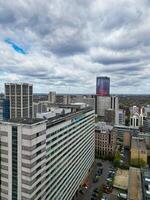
x=95, y=180
x=110, y=175
x=112, y=171
x=99, y=173
x=85, y=186
x=92, y=198
x=104, y=198
x=99, y=164
x=122, y=195
x=95, y=195
x=81, y=191
x=96, y=190
x=107, y=189
x=109, y=179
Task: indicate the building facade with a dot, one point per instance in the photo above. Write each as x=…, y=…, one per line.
x=103, y=86
x=63, y=99
x=20, y=97
x=46, y=160
x=120, y=117
x=1, y=109
x=106, y=102
x=146, y=125
x=109, y=117
x=4, y=109
x=105, y=140
x=40, y=107
x=52, y=97
x=88, y=99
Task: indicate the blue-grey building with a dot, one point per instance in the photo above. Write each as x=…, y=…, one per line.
x=6, y=110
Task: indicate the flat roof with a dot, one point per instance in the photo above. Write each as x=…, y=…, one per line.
x=51, y=121
x=19, y=84
x=126, y=127
x=103, y=127
x=134, y=186
x=58, y=119
x=138, y=143
x=121, y=179
x=25, y=120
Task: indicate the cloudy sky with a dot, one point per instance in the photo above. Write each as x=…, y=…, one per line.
x=62, y=45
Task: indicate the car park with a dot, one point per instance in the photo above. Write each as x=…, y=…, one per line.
x=92, y=198
x=110, y=176
x=95, y=180
x=122, y=195
x=95, y=195
x=104, y=198
x=99, y=164
x=109, y=179
x=96, y=190
x=81, y=191
x=106, y=188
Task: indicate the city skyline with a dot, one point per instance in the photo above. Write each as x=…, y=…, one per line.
x=63, y=46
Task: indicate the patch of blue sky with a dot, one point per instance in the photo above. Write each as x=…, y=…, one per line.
x=15, y=46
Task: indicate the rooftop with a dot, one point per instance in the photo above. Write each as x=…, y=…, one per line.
x=134, y=186
x=28, y=121
x=126, y=127
x=53, y=120
x=19, y=84
x=121, y=179
x=138, y=143
x=103, y=127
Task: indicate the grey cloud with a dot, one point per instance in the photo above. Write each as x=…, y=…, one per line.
x=61, y=35
x=70, y=48
x=6, y=15
x=111, y=61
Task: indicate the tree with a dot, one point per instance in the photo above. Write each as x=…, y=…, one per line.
x=100, y=192
x=138, y=163
x=116, y=160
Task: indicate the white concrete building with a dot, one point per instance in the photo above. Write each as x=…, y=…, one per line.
x=46, y=160
x=106, y=102
x=52, y=97
x=120, y=117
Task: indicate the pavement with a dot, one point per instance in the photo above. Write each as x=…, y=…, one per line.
x=102, y=180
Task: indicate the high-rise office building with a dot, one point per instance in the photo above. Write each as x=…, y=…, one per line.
x=63, y=99
x=20, y=97
x=102, y=86
x=103, y=100
x=52, y=97
x=106, y=102
x=46, y=159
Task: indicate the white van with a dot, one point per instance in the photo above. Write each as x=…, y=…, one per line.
x=122, y=195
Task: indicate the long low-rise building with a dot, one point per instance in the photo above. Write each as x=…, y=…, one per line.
x=138, y=150
x=134, y=184
x=46, y=159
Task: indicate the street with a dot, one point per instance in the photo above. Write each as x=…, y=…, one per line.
x=87, y=193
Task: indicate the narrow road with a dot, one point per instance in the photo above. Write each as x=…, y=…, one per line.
x=88, y=192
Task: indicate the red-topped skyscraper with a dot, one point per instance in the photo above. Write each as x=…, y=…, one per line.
x=103, y=86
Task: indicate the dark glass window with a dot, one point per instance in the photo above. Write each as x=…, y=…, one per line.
x=14, y=163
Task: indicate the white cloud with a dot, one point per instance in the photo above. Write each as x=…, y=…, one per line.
x=71, y=42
